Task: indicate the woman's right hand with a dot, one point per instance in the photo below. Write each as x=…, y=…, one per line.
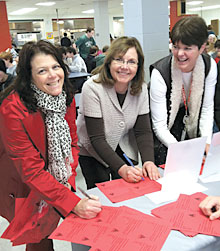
x=87, y=208
x=130, y=174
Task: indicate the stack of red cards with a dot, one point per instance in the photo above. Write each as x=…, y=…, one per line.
x=120, y=190
x=186, y=216
x=115, y=228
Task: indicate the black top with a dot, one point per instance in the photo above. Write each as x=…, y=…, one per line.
x=65, y=41
x=90, y=63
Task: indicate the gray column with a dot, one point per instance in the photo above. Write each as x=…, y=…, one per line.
x=148, y=21
x=47, y=32
x=101, y=19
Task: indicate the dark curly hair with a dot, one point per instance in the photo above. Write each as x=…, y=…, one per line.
x=24, y=73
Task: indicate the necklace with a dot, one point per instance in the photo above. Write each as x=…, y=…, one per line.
x=186, y=104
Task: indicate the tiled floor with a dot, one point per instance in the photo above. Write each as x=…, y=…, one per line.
x=5, y=245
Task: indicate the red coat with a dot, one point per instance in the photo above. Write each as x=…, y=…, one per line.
x=23, y=160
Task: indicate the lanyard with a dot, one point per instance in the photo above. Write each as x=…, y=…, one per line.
x=186, y=100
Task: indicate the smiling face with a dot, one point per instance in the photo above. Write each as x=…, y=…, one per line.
x=47, y=74
x=124, y=73
x=185, y=56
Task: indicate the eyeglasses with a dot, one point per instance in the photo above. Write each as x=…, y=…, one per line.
x=121, y=62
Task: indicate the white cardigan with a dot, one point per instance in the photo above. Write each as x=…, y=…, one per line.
x=99, y=101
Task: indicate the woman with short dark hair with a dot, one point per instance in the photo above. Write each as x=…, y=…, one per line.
x=182, y=88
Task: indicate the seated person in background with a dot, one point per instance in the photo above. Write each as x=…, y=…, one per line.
x=9, y=62
x=211, y=44
x=90, y=60
x=101, y=57
x=5, y=78
x=216, y=54
x=74, y=61
x=114, y=118
x=38, y=145
x=210, y=206
x=15, y=52
x=182, y=88
x=210, y=29
x=62, y=51
x=98, y=50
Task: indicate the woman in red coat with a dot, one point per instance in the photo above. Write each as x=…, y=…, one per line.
x=38, y=149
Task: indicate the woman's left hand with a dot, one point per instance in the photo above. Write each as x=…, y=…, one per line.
x=150, y=169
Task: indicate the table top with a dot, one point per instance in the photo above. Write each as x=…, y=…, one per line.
x=176, y=240
x=79, y=74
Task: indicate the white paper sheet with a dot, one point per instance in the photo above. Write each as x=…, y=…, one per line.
x=182, y=170
x=211, y=170
x=172, y=192
x=211, y=178
x=162, y=196
x=186, y=156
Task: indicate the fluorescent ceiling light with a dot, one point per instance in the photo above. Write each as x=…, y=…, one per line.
x=46, y=3
x=205, y=8
x=121, y=20
x=23, y=11
x=60, y=22
x=88, y=11
x=194, y=3
x=122, y=3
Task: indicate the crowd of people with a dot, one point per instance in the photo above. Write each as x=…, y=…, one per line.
x=83, y=55
x=117, y=116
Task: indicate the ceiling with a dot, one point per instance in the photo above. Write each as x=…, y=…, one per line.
x=71, y=8
x=66, y=8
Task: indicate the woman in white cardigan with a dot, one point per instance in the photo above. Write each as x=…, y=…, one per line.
x=114, y=118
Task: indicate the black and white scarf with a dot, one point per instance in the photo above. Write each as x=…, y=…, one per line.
x=58, y=134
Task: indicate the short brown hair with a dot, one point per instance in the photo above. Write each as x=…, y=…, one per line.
x=89, y=29
x=190, y=31
x=119, y=47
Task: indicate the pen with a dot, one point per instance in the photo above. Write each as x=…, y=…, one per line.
x=213, y=209
x=84, y=193
x=130, y=162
